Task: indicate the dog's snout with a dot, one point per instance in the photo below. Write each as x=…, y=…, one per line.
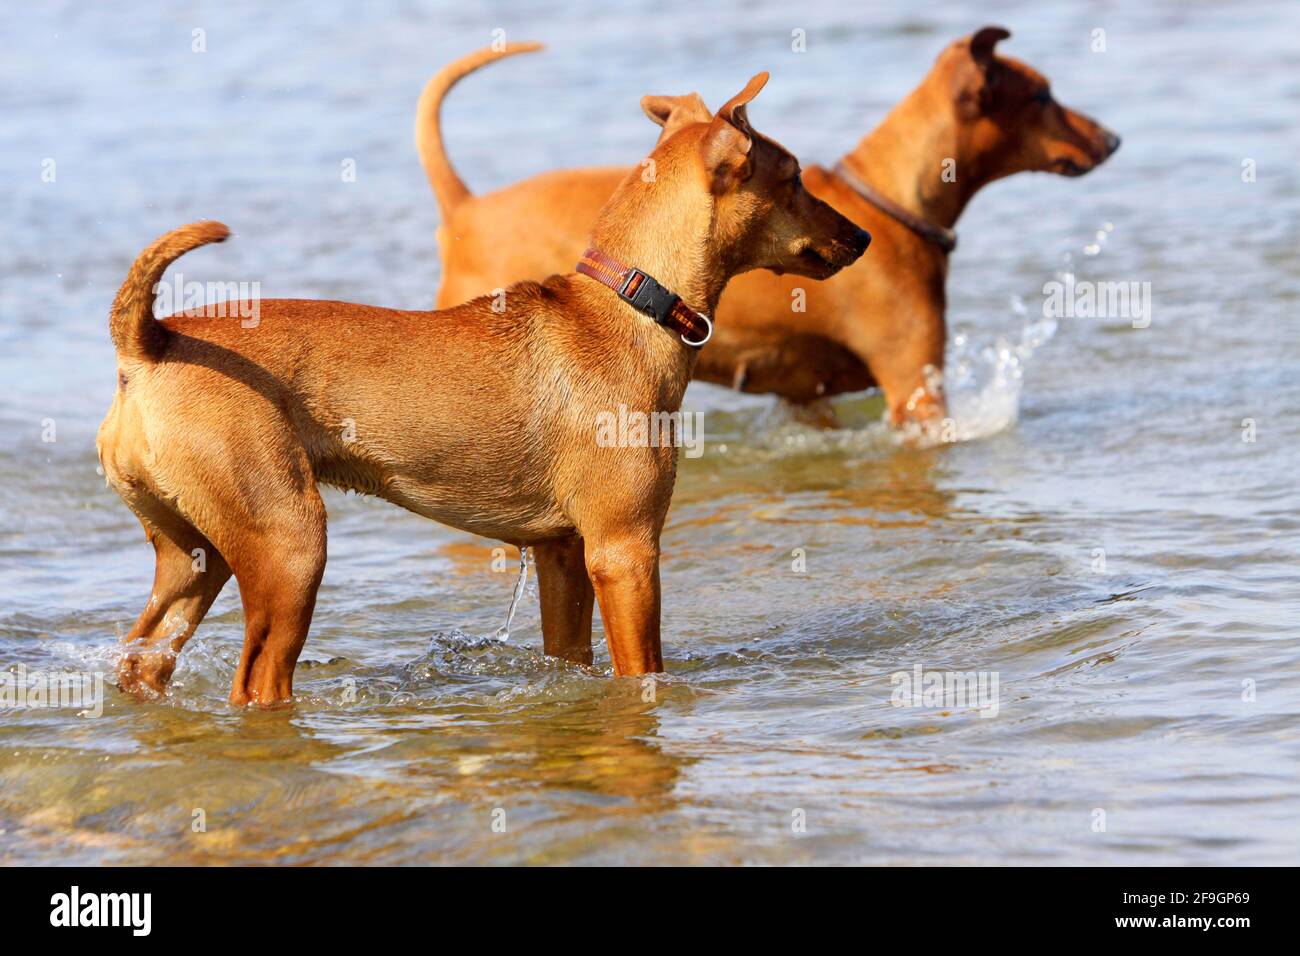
x=1112, y=142
x=861, y=239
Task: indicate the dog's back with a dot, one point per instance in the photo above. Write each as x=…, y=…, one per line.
x=527, y=231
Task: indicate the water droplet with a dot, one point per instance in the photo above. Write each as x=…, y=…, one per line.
x=503, y=632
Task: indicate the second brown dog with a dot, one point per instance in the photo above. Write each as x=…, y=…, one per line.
x=975, y=118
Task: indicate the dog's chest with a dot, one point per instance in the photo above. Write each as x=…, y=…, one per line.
x=507, y=512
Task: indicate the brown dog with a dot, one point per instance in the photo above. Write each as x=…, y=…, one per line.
x=480, y=417
x=976, y=116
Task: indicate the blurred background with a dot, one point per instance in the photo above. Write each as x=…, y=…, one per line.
x=1159, y=686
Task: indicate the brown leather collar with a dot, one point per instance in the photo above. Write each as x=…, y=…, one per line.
x=647, y=296
x=945, y=239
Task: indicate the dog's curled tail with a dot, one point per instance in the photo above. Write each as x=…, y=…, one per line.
x=447, y=186
x=135, y=332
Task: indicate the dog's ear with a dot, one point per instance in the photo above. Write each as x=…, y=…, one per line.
x=733, y=111
x=726, y=146
x=982, y=44
x=976, y=80
x=674, y=112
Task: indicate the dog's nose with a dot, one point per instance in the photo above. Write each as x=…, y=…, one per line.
x=1112, y=142
x=861, y=239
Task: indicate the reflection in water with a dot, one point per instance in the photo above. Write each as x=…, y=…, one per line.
x=193, y=786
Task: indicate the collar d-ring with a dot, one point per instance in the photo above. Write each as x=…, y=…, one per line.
x=708, y=322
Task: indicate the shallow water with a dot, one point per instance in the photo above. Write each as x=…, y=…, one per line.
x=1126, y=690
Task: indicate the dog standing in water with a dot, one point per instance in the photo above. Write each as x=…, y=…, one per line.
x=482, y=418
x=976, y=115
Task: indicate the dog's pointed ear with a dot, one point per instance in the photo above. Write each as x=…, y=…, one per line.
x=982, y=43
x=674, y=112
x=730, y=138
x=733, y=111
x=975, y=83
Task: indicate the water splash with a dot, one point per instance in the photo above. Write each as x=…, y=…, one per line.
x=503, y=632
x=982, y=382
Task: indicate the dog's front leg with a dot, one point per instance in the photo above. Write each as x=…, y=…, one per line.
x=567, y=597
x=909, y=372
x=625, y=573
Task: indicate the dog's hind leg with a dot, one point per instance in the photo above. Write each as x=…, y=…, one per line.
x=189, y=573
x=279, y=569
x=567, y=598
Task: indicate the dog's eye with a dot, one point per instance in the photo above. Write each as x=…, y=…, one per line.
x=1043, y=96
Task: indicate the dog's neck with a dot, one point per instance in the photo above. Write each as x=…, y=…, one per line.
x=906, y=163
x=646, y=226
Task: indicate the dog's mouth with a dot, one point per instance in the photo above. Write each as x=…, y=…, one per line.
x=1068, y=167
x=822, y=260
x=812, y=263
x=823, y=263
